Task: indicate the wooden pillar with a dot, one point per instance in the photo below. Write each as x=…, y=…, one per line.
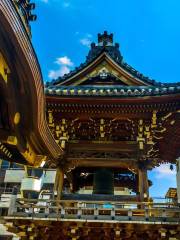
x=140, y=185
x=59, y=180
x=146, y=184
x=143, y=186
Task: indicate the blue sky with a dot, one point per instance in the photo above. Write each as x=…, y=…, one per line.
x=148, y=33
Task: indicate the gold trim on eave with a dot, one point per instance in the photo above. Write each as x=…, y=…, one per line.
x=4, y=69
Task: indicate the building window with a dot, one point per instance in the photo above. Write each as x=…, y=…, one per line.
x=17, y=166
x=5, y=164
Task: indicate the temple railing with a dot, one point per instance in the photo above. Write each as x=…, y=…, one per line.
x=90, y=210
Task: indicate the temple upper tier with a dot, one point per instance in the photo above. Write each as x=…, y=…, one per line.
x=104, y=65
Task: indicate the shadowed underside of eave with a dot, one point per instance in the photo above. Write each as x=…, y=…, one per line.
x=29, y=136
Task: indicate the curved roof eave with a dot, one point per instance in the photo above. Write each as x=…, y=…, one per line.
x=112, y=91
x=17, y=34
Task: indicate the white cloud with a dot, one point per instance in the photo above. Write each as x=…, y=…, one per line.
x=58, y=73
x=64, y=67
x=164, y=171
x=64, y=61
x=86, y=41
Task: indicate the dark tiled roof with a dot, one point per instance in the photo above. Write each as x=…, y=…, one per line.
x=109, y=91
x=111, y=50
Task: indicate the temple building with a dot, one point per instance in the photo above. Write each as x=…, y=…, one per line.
x=74, y=163
x=113, y=123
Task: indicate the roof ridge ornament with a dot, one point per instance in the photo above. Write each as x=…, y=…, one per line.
x=25, y=8
x=105, y=39
x=105, y=44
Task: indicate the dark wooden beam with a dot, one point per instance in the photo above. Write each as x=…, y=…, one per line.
x=102, y=162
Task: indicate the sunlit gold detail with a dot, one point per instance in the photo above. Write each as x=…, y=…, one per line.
x=167, y=116
x=172, y=122
x=17, y=118
x=4, y=69
x=102, y=121
x=154, y=119
x=31, y=157
x=50, y=119
x=29, y=154
x=12, y=140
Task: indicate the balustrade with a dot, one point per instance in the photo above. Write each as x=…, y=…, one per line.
x=117, y=211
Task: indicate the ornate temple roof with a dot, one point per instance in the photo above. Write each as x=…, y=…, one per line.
x=106, y=50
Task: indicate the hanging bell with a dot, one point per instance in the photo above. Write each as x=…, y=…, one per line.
x=171, y=167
